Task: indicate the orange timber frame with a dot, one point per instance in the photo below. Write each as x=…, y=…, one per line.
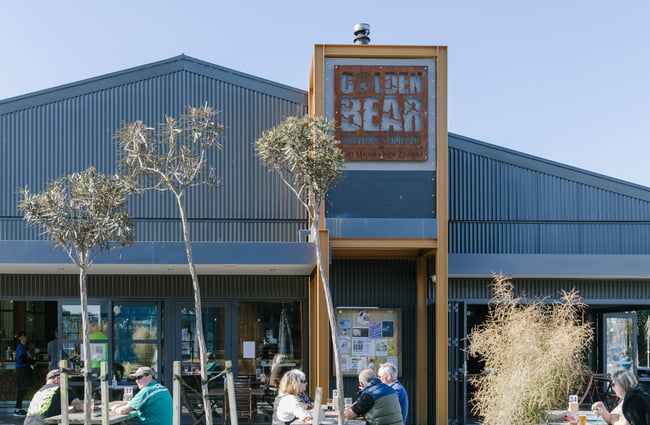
x=418, y=249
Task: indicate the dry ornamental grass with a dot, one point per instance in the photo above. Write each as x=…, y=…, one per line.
x=535, y=353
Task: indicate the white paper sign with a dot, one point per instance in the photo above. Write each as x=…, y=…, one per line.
x=249, y=349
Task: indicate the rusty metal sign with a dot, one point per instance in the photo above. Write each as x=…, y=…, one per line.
x=381, y=112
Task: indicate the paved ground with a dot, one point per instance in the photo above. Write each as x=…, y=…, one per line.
x=7, y=417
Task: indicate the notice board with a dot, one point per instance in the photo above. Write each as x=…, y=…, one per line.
x=368, y=337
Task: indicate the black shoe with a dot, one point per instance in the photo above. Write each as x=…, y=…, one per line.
x=20, y=412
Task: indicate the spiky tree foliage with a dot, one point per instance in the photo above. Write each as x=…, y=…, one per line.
x=174, y=158
x=534, y=352
x=85, y=215
x=303, y=152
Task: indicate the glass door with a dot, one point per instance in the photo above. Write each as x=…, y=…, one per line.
x=216, y=331
x=620, y=347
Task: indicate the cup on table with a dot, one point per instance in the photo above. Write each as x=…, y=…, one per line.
x=348, y=402
x=596, y=412
x=582, y=419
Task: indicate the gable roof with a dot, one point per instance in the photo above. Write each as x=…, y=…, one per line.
x=546, y=166
x=522, y=215
x=167, y=66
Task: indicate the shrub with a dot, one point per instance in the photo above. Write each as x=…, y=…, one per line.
x=534, y=355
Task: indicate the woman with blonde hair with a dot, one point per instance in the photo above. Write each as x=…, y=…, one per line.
x=287, y=406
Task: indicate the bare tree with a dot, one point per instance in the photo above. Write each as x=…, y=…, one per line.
x=175, y=158
x=85, y=215
x=303, y=152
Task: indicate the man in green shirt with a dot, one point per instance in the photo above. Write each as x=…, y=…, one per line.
x=153, y=403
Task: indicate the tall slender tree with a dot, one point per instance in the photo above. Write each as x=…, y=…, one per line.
x=85, y=215
x=175, y=158
x=303, y=152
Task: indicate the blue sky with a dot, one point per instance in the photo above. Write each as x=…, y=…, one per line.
x=566, y=80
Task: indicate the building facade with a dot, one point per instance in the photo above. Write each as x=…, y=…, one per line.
x=407, y=282
x=141, y=301
x=550, y=227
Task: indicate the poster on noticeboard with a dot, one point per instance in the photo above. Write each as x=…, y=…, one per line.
x=368, y=337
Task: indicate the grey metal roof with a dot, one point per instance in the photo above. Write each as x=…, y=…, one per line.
x=51, y=133
x=508, y=208
x=151, y=70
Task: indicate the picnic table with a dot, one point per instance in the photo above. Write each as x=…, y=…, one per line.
x=96, y=418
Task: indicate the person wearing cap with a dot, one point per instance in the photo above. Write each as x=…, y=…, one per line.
x=213, y=367
x=153, y=403
x=46, y=402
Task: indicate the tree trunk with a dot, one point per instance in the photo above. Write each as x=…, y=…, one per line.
x=207, y=406
x=87, y=369
x=332, y=320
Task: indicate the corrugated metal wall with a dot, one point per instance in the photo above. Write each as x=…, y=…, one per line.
x=383, y=194
x=155, y=287
x=383, y=284
x=50, y=135
x=496, y=206
x=593, y=292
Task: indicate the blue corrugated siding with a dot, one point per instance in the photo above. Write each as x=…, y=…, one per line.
x=593, y=292
x=74, y=129
x=383, y=284
x=502, y=204
x=383, y=194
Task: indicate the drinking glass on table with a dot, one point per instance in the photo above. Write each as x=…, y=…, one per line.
x=596, y=412
x=348, y=402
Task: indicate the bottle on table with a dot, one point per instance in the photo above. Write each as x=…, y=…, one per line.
x=574, y=408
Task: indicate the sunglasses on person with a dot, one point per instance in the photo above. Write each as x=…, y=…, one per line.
x=140, y=377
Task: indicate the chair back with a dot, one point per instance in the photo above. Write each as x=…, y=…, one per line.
x=243, y=401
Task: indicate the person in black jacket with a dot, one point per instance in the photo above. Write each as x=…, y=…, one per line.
x=636, y=407
x=377, y=402
x=23, y=365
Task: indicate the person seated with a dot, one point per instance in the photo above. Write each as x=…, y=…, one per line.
x=636, y=407
x=287, y=406
x=46, y=402
x=388, y=375
x=213, y=367
x=623, y=381
x=377, y=403
x=278, y=369
x=153, y=402
x=305, y=398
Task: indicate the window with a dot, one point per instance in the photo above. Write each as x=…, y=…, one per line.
x=135, y=338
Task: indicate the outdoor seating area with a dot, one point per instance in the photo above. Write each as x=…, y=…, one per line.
x=253, y=401
x=598, y=388
x=6, y=418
